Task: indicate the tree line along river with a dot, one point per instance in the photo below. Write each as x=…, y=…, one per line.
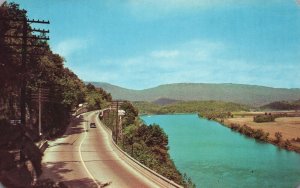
x=214, y=156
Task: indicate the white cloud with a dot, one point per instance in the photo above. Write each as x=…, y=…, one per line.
x=70, y=46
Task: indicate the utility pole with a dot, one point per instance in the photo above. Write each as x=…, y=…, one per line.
x=117, y=122
x=115, y=106
x=25, y=37
x=40, y=112
x=23, y=86
x=41, y=96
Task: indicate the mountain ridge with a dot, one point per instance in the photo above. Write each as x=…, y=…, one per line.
x=186, y=83
x=239, y=93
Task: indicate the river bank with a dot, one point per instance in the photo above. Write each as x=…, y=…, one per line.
x=214, y=156
x=284, y=132
x=287, y=129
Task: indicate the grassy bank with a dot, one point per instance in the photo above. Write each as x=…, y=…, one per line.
x=283, y=132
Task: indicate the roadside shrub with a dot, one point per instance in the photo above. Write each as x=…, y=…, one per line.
x=278, y=136
x=248, y=131
x=260, y=134
x=234, y=126
x=287, y=144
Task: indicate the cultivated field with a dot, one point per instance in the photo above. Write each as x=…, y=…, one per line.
x=288, y=126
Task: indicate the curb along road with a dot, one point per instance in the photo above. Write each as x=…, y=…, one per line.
x=161, y=180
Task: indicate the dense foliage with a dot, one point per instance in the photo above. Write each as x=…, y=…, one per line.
x=61, y=89
x=43, y=72
x=209, y=109
x=149, y=145
x=260, y=135
x=248, y=131
x=283, y=105
x=96, y=98
x=130, y=114
x=264, y=118
x=147, y=107
x=270, y=117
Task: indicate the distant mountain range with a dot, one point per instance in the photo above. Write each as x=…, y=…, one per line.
x=244, y=94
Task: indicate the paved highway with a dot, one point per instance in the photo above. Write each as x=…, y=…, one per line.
x=86, y=159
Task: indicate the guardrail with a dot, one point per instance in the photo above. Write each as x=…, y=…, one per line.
x=80, y=110
x=159, y=179
x=42, y=145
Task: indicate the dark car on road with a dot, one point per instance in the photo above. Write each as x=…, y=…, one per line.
x=92, y=125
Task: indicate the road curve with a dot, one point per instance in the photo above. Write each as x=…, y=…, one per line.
x=83, y=157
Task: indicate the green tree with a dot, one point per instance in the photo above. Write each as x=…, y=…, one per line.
x=129, y=136
x=130, y=113
x=96, y=98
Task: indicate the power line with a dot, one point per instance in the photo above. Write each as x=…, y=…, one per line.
x=24, y=47
x=115, y=105
x=28, y=37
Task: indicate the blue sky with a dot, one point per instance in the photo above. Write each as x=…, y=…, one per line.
x=144, y=43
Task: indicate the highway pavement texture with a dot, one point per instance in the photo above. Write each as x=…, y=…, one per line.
x=84, y=157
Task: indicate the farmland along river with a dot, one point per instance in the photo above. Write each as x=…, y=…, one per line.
x=214, y=156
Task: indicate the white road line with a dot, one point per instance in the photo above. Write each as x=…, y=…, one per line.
x=87, y=170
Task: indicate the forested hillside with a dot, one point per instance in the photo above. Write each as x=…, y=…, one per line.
x=202, y=107
x=43, y=72
x=238, y=93
x=282, y=105
x=29, y=68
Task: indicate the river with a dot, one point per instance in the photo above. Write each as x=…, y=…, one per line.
x=214, y=156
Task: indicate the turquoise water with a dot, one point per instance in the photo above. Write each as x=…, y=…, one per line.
x=214, y=156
